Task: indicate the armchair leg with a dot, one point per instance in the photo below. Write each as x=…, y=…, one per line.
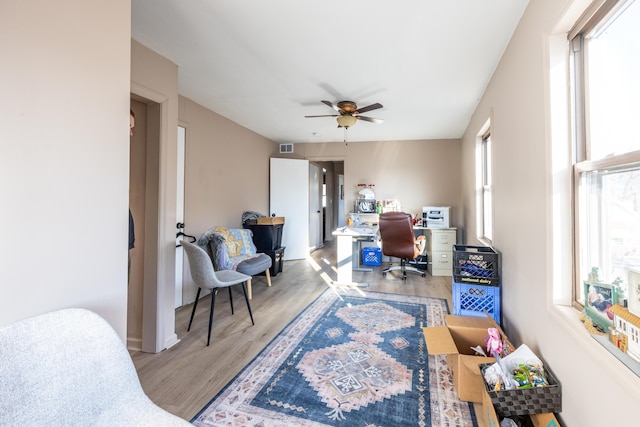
x=230, y=299
x=248, y=289
x=268, y=274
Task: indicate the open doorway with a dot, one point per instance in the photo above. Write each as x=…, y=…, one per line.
x=324, y=205
x=307, y=226
x=332, y=196
x=150, y=306
x=137, y=206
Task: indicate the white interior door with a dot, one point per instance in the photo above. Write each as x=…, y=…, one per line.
x=289, y=197
x=180, y=214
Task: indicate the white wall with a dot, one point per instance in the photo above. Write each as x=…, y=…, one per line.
x=597, y=389
x=64, y=157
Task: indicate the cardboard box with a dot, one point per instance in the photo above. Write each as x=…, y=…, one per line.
x=490, y=418
x=544, y=420
x=455, y=340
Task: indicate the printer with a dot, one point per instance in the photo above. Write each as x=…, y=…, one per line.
x=436, y=216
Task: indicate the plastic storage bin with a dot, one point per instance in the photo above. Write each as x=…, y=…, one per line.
x=371, y=256
x=474, y=300
x=476, y=264
x=266, y=237
x=277, y=258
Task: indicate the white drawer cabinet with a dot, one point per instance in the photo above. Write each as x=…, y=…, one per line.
x=439, y=249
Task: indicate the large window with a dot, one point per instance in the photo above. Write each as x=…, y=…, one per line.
x=605, y=51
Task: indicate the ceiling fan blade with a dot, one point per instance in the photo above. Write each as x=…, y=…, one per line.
x=370, y=107
x=325, y=115
x=331, y=105
x=370, y=119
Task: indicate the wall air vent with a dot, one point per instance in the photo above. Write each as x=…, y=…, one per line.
x=286, y=148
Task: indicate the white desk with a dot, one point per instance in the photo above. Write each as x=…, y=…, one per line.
x=349, y=243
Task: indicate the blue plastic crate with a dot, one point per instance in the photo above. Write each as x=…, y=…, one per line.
x=371, y=256
x=470, y=299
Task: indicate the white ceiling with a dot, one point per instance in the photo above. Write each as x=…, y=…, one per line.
x=265, y=64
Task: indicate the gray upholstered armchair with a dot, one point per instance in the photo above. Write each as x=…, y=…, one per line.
x=233, y=249
x=70, y=368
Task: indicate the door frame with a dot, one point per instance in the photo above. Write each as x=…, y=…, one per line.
x=181, y=152
x=332, y=204
x=158, y=312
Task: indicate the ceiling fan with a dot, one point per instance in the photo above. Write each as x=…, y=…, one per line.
x=349, y=113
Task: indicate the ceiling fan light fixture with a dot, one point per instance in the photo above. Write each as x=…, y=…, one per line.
x=346, y=121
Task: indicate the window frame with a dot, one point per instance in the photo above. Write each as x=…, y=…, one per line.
x=596, y=17
x=484, y=184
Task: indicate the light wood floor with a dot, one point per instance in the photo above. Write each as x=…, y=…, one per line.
x=184, y=378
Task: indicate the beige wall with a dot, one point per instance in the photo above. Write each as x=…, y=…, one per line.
x=596, y=388
x=64, y=157
x=226, y=174
x=417, y=173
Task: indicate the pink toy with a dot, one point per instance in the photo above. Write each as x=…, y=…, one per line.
x=494, y=342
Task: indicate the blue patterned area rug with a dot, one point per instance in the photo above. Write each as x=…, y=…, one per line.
x=352, y=358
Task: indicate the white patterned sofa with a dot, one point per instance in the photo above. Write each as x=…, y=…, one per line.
x=70, y=368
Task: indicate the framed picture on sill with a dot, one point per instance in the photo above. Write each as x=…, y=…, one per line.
x=598, y=299
x=633, y=293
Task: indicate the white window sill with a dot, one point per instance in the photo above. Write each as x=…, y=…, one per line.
x=569, y=319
